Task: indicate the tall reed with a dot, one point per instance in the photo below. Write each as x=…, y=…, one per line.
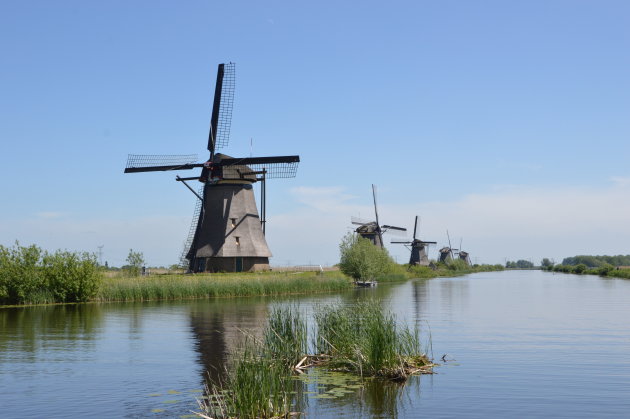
x=367, y=340
x=172, y=287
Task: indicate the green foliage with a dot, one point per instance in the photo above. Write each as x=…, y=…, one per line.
x=135, y=261
x=546, y=263
x=457, y=265
x=597, y=261
x=177, y=287
x=285, y=338
x=362, y=260
x=579, y=269
x=256, y=387
x=71, y=277
x=29, y=275
x=366, y=340
x=520, y=264
x=605, y=269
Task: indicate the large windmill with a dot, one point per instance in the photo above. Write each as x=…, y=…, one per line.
x=418, y=248
x=373, y=230
x=227, y=233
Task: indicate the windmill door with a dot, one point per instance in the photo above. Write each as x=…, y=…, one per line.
x=239, y=264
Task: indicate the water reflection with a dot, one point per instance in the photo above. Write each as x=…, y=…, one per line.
x=28, y=332
x=219, y=328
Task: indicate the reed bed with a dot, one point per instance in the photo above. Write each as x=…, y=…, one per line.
x=259, y=381
x=175, y=287
x=366, y=340
x=361, y=339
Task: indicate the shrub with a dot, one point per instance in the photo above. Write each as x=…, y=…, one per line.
x=71, y=277
x=29, y=275
x=362, y=260
x=580, y=268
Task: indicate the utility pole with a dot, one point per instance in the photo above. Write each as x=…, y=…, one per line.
x=100, y=255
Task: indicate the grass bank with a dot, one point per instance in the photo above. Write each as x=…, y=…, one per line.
x=581, y=269
x=452, y=269
x=176, y=287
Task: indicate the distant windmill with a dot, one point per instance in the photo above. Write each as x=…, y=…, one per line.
x=446, y=253
x=227, y=233
x=373, y=230
x=418, y=248
x=463, y=255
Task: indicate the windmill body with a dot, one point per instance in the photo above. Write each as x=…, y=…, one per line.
x=418, y=247
x=464, y=256
x=372, y=230
x=228, y=234
x=446, y=254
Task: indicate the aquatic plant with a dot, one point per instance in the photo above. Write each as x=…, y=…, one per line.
x=366, y=340
x=255, y=387
x=285, y=338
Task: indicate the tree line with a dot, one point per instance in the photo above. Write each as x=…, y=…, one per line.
x=597, y=261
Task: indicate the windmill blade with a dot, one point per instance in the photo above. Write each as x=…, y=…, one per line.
x=375, y=208
x=273, y=167
x=159, y=163
x=360, y=221
x=397, y=231
x=415, y=228
x=399, y=242
x=449, y=240
x=394, y=228
x=221, y=120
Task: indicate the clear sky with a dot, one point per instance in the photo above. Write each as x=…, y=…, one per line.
x=507, y=123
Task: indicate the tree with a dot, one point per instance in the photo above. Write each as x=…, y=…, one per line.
x=361, y=259
x=546, y=263
x=135, y=261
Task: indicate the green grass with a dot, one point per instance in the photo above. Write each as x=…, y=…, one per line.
x=176, y=287
x=366, y=340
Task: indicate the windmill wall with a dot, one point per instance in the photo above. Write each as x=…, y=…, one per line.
x=419, y=256
x=230, y=237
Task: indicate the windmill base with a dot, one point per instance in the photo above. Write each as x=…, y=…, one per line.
x=232, y=264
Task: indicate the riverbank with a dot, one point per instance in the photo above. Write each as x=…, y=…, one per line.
x=581, y=269
x=177, y=287
x=185, y=286
x=31, y=276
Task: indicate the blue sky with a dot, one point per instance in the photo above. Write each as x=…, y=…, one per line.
x=506, y=123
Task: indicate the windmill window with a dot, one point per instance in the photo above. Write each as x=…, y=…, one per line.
x=233, y=222
x=238, y=240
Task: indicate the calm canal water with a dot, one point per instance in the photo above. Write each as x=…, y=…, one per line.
x=521, y=344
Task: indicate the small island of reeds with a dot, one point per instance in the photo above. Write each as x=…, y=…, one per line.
x=264, y=377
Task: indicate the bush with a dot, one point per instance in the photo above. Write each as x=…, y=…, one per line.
x=71, y=277
x=362, y=260
x=29, y=275
x=580, y=268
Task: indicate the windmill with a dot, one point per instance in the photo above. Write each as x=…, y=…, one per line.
x=418, y=248
x=373, y=230
x=446, y=253
x=463, y=255
x=227, y=233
